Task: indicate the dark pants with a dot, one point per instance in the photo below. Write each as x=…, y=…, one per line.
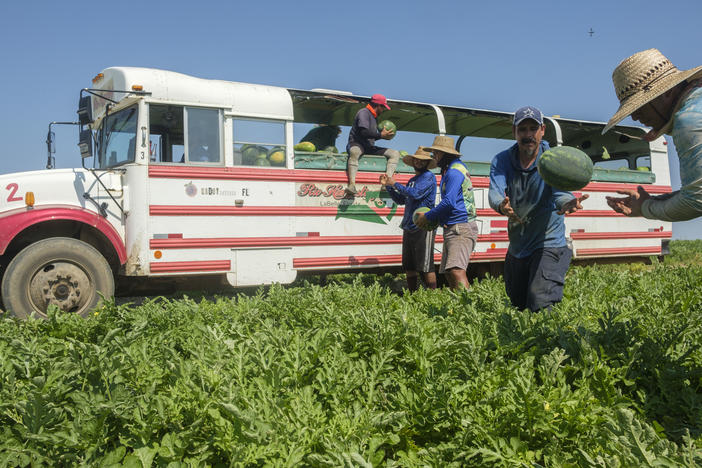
x=536, y=282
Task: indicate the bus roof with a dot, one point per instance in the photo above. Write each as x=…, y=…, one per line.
x=339, y=108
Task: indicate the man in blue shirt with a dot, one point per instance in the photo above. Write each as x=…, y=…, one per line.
x=362, y=137
x=455, y=212
x=538, y=257
x=654, y=92
x=417, y=244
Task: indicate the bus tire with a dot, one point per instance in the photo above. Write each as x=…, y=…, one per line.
x=66, y=272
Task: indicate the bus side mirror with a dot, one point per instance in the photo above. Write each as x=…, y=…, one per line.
x=85, y=110
x=50, y=145
x=85, y=143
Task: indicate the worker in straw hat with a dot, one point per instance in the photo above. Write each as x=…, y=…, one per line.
x=417, y=244
x=538, y=256
x=654, y=92
x=455, y=212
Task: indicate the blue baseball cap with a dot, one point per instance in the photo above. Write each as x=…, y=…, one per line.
x=528, y=112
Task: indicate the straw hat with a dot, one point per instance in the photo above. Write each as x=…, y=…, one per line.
x=443, y=143
x=643, y=77
x=422, y=156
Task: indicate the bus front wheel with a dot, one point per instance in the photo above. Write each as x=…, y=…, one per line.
x=65, y=272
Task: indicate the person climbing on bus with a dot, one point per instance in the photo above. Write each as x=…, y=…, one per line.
x=455, y=212
x=362, y=137
x=417, y=244
x=654, y=92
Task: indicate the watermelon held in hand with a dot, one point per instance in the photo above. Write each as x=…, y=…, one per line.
x=423, y=209
x=388, y=125
x=565, y=168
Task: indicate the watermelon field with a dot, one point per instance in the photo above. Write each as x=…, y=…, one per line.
x=354, y=374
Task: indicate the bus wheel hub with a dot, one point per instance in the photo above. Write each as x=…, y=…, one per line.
x=60, y=284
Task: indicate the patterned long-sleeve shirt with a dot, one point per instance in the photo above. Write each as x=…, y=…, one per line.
x=685, y=203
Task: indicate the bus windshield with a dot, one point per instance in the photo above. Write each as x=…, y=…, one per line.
x=117, y=144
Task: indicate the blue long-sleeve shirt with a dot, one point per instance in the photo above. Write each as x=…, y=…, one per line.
x=419, y=191
x=457, y=203
x=532, y=200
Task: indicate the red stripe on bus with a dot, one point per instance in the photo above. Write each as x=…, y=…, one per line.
x=614, y=186
x=374, y=260
x=176, y=267
x=215, y=210
x=307, y=175
x=243, y=242
x=649, y=250
x=622, y=235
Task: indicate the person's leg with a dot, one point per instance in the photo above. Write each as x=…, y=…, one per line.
x=430, y=280
x=516, y=276
x=547, y=273
x=408, y=262
x=459, y=242
x=412, y=281
x=393, y=157
x=457, y=278
x=355, y=153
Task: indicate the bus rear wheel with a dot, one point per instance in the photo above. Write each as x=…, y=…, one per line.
x=65, y=272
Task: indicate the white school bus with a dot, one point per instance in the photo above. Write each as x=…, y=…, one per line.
x=183, y=183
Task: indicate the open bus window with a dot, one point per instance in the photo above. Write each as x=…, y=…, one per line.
x=166, y=130
x=259, y=142
x=118, y=138
x=613, y=164
x=643, y=163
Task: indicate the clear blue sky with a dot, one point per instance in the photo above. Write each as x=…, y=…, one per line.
x=490, y=55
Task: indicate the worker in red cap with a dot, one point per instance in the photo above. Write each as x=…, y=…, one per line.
x=362, y=139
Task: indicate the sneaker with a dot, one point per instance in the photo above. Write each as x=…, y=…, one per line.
x=351, y=189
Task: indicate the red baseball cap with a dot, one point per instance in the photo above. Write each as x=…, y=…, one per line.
x=380, y=99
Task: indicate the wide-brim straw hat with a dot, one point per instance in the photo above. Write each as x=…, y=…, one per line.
x=422, y=156
x=443, y=143
x=643, y=77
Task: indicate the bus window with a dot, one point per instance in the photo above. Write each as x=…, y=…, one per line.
x=643, y=163
x=259, y=142
x=203, y=136
x=118, y=138
x=615, y=164
x=166, y=133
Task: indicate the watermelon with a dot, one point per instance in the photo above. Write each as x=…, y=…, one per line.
x=262, y=162
x=565, y=168
x=388, y=125
x=251, y=153
x=330, y=149
x=423, y=209
x=305, y=146
x=277, y=158
x=403, y=153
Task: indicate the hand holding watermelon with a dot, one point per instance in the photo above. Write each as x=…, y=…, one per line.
x=387, y=130
x=421, y=221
